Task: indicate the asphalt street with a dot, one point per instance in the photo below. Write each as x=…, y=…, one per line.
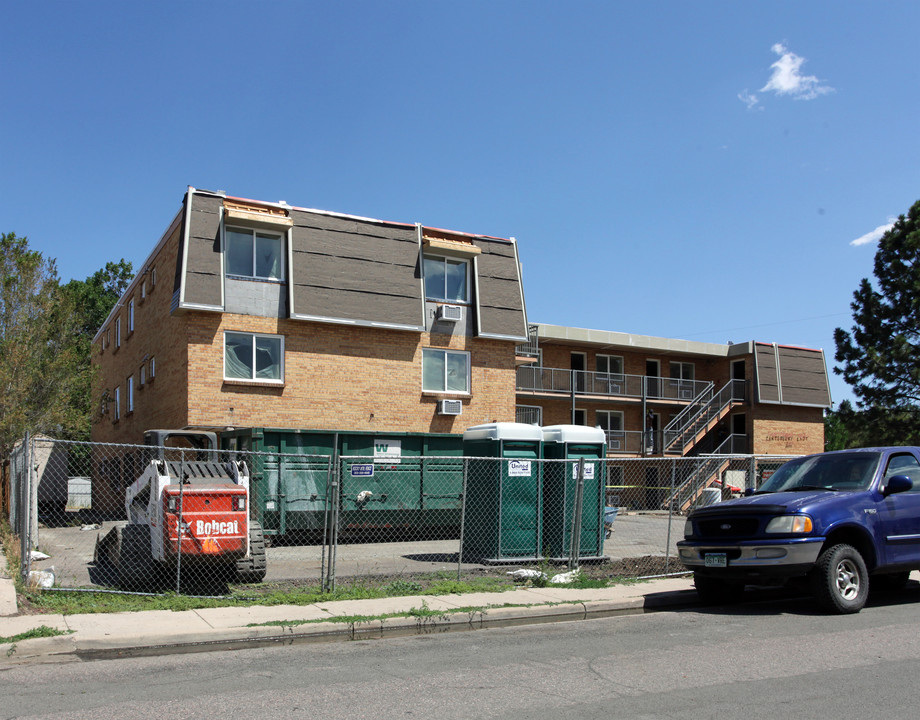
x=771, y=659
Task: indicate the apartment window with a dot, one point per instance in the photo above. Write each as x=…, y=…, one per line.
x=610, y=378
x=117, y=414
x=610, y=364
x=131, y=315
x=682, y=371
x=153, y=278
x=447, y=279
x=445, y=371
x=610, y=420
x=254, y=254
x=579, y=417
x=142, y=375
x=248, y=356
x=143, y=289
x=529, y=414
x=152, y=365
x=118, y=332
x=129, y=394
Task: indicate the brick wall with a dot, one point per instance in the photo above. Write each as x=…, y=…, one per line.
x=158, y=336
x=343, y=377
x=783, y=430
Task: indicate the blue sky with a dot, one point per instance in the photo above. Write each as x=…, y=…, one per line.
x=687, y=170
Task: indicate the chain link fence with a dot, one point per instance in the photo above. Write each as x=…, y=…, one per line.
x=198, y=520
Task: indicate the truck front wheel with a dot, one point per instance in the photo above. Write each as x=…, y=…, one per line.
x=840, y=581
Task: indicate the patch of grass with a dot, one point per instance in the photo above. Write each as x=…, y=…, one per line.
x=40, y=632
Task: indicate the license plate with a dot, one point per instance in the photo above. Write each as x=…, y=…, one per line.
x=715, y=560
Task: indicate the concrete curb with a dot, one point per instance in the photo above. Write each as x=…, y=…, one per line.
x=101, y=636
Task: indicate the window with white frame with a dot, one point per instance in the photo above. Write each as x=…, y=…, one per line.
x=610, y=364
x=682, y=371
x=131, y=315
x=129, y=394
x=250, y=356
x=117, y=414
x=152, y=367
x=528, y=414
x=610, y=420
x=447, y=279
x=118, y=332
x=445, y=371
x=254, y=254
x=142, y=375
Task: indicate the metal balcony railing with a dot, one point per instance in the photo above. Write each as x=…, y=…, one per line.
x=532, y=347
x=625, y=442
x=539, y=379
x=695, y=420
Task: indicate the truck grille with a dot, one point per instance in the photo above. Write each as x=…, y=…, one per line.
x=728, y=527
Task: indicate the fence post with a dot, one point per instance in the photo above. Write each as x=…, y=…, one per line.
x=25, y=510
x=466, y=466
x=575, y=542
x=667, y=547
x=180, y=521
x=332, y=524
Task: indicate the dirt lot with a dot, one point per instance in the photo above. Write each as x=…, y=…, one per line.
x=638, y=546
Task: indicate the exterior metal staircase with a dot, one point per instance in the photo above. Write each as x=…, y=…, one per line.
x=699, y=417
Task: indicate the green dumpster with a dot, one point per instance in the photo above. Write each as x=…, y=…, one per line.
x=502, y=516
x=563, y=445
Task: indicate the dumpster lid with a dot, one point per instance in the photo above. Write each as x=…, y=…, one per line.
x=503, y=431
x=574, y=434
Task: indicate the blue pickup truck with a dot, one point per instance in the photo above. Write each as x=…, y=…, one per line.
x=840, y=519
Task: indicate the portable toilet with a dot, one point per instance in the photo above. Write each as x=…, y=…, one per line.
x=502, y=519
x=563, y=446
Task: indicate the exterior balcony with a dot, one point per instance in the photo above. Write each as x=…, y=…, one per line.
x=537, y=381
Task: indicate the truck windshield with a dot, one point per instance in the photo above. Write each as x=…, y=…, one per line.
x=850, y=471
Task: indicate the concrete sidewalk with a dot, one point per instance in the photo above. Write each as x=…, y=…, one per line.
x=110, y=635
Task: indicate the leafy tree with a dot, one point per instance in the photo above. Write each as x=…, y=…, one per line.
x=96, y=296
x=91, y=301
x=879, y=357
x=39, y=363
x=836, y=430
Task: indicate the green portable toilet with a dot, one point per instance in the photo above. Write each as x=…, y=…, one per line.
x=563, y=445
x=502, y=516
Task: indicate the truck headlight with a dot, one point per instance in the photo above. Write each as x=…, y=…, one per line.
x=790, y=525
x=688, y=528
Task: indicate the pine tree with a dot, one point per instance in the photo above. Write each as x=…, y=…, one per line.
x=880, y=357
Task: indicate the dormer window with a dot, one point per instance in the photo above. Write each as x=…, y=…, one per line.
x=255, y=254
x=447, y=279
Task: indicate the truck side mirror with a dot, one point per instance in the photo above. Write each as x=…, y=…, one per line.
x=897, y=484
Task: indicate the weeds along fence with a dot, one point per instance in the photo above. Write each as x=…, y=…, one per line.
x=200, y=521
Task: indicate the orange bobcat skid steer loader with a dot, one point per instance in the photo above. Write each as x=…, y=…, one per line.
x=189, y=509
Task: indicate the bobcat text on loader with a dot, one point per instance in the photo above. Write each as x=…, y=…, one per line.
x=186, y=507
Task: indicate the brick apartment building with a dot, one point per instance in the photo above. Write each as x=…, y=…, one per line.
x=251, y=314
x=659, y=396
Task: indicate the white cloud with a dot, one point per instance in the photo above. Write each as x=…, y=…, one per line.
x=874, y=236
x=749, y=99
x=787, y=78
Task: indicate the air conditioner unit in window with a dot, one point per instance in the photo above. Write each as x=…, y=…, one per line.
x=449, y=313
x=450, y=407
